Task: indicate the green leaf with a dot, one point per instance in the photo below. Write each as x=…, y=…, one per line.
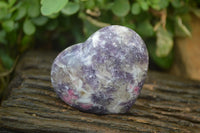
x=3, y=4
x=163, y=4
x=144, y=5
x=160, y=4
x=121, y=7
x=25, y=44
x=8, y=25
x=196, y=12
x=164, y=42
x=6, y=59
x=131, y=26
x=180, y=29
x=40, y=20
x=176, y=3
x=108, y=6
x=2, y=37
x=53, y=16
x=50, y=7
x=70, y=8
x=78, y=33
x=21, y=12
x=153, y=1
x=145, y=29
x=89, y=28
x=162, y=62
x=52, y=25
x=28, y=27
x=135, y=9
x=90, y=4
x=33, y=8
x=3, y=13
x=11, y=2
x=3, y=9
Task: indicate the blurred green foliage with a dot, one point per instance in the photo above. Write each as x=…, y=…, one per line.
x=25, y=22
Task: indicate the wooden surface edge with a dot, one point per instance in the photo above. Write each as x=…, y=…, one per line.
x=166, y=104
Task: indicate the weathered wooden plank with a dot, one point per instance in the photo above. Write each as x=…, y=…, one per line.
x=166, y=104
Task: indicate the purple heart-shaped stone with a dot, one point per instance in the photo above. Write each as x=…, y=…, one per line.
x=103, y=75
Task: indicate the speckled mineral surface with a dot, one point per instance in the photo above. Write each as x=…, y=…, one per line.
x=103, y=75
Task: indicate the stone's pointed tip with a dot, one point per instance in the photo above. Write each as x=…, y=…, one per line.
x=103, y=75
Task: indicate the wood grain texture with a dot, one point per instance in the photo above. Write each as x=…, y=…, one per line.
x=166, y=104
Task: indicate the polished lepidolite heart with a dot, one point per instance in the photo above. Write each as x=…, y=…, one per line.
x=103, y=75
